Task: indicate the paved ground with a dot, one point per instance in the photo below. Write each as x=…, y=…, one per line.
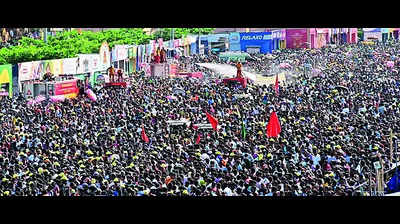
x=263, y=80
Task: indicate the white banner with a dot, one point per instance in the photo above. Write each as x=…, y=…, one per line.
x=25, y=71
x=95, y=64
x=69, y=66
x=121, y=52
x=57, y=67
x=88, y=63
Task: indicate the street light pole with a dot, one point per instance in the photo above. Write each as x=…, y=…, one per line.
x=199, y=41
x=45, y=35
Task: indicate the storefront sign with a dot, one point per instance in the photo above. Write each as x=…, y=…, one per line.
x=257, y=37
x=372, y=29
x=256, y=41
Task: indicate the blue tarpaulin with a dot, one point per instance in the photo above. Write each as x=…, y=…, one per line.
x=392, y=186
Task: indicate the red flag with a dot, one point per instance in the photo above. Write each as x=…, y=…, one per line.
x=144, y=136
x=273, y=127
x=212, y=120
x=276, y=85
x=198, y=139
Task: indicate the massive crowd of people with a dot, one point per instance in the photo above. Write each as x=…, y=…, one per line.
x=333, y=125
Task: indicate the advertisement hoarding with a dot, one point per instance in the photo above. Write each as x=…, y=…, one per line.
x=296, y=38
x=66, y=87
x=6, y=77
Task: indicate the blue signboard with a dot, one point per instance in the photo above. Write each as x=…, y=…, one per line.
x=234, y=41
x=261, y=40
x=372, y=29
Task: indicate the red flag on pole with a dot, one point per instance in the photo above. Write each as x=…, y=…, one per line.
x=198, y=139
x=276, y=85
x=212, y=120
x=273, y=127
x=144, y=136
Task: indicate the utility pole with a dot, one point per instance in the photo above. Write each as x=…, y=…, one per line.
x=199, y=41
x=45, y=35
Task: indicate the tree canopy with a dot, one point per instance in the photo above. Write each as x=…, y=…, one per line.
x=69, y=44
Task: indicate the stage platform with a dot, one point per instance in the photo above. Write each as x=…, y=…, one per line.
x=242, y=81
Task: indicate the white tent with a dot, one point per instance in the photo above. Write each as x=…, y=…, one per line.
x=228, y=71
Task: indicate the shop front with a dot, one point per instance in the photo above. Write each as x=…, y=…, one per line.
x=119, y=57
x=275, y=40
x=132, y=59
x=322, y=37
x=353, y=35
x=234, y=41
x=218, y=42
x=256, y=42
x=297, y=38
x=282, y=40
x=372, y=34
x=395, y=33
x=385, y=34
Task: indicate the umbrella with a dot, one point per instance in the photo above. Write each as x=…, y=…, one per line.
x=91, y=95
x=31, y=101
x=39, y=99
x=171, y=97
x=342, y=88
x=56, y=99
x=179, y=91
x=390, y=64
x=284, y=65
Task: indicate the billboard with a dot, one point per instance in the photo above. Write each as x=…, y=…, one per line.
x=261, y=41
x=296, y=38
x=87, y=63
x=69, y=66
x=105, y=57
x=66, y=87
x=6, y=77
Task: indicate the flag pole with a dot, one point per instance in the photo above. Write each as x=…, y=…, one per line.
x=391, y=146
x=397, y=176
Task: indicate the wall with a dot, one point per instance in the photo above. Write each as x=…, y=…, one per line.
x=261, y=39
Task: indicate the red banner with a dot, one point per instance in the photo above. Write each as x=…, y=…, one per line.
x=66, y=87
